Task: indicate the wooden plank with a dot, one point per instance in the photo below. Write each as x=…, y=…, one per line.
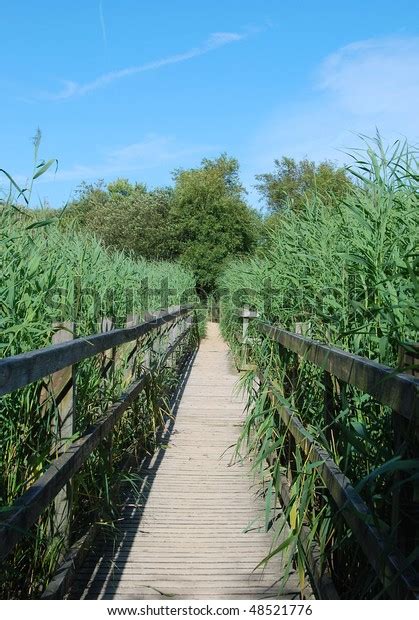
x=23, y=369
x=386, y=385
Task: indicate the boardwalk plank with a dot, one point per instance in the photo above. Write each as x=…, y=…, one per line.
x=187, y=537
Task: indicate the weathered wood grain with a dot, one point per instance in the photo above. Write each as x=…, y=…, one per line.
x=388, y=562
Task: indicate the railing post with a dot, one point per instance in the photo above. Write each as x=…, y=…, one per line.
x=173, y=334
x=108, y=363
x=405, y=500
x=157, y=342
x=131, y=352
x=61, y=387
x=108, y=357
x=153, y=352
x=214, y=310
x=245, y=322
x=329, y=406
x=181, y=328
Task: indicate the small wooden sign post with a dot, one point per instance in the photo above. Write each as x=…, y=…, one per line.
x=246, y=315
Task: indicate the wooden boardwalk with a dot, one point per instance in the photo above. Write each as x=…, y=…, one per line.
x=186, y=537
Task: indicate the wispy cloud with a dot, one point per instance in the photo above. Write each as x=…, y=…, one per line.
x=364, y=85
x=360, y=87
x=374, y=77
x=215, y=41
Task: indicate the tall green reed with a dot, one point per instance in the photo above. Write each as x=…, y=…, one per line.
x=348, y=274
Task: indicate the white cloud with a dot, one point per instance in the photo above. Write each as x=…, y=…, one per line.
x=374, y=77
x=363, y=86
x=214, y=41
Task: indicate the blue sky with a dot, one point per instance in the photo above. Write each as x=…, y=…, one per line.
x=137, y=89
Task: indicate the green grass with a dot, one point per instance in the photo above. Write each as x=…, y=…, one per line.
x=349, y=273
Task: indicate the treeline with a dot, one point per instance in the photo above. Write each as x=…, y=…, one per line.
x=204, y=219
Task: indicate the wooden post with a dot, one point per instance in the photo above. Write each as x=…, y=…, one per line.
x=109, y=356
x=182, y=326
x=173, y=334
x=246, y=315
x=130, y=352
x=329, y=407
x=61, y=389
x=245, y=323
x=108, y=363
x=215, y=310
x=157, y=346
x=153, y=353
x=409, y=359
x=405, y=501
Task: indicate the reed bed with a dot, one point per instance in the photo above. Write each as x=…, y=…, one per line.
x=348, y=276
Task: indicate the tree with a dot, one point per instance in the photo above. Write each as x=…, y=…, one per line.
x=202, y=221
x=126, y=217
x=211, y=220
x=91, y=199
x=292, y=183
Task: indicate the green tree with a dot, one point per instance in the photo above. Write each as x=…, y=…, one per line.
x=203, y=221
x=126, y=217
x=91, y=199
x=293, y=182
x=211, y=219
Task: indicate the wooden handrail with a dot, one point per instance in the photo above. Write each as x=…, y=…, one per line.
x=23, y=369
x=388, y=562
x=386, y=385
x=19, y=517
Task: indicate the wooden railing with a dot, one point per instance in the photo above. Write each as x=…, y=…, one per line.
x=389, y=387
x=21, y=370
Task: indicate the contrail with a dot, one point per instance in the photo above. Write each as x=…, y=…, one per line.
x=102, y=23
x=214, y=41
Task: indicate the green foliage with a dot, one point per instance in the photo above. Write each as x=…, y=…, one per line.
x=201, y=222
x=126, y=217
x=294, y=184
x=211, y=220
x=348, y=269
x=348, y=273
